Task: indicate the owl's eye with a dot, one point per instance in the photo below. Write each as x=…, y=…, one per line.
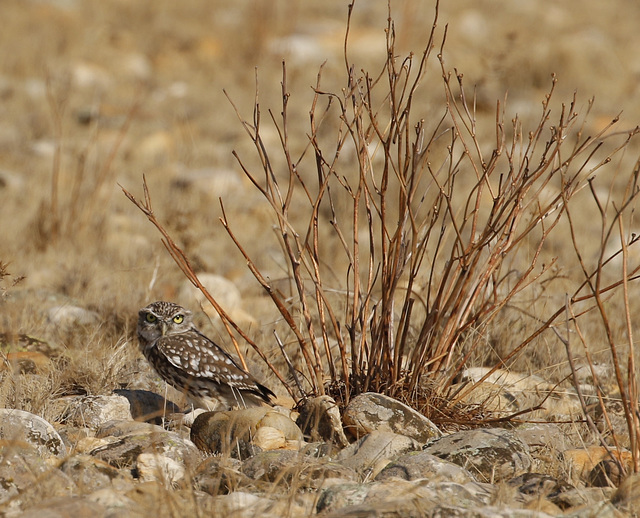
x=178, y=319
x=151, y=318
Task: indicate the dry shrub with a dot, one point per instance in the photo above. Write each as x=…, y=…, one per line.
x=405, y=235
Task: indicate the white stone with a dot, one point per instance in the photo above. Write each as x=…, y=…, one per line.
x=152, y=466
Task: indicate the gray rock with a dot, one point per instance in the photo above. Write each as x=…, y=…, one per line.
x=542, y=437
x=492, y=454
x=419, y=464
x=92, y=411
x=320, y=449
x=320, y=473
x=242, y=504
x=627, y=496
x=123, y=450
x=118, y=428
x=90, y=474
x=470, y=495
x=25, y=426
x=320, y=420
x=239, y=503
x=63, y=507
x=370, y=411
x=272, y=466
x=291, y=467
x=374, y=451
x=377, y=499
x=599, y=510
x=220, y=475
x=156, y=500
x=115, y=502
x=26, y=478
x=152, y=466
x=68, y=316
x=539, y=485
x=582, y=498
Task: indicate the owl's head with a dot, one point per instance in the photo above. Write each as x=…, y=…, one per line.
x=162, y=319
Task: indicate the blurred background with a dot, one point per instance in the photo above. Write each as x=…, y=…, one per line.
x=96, y=93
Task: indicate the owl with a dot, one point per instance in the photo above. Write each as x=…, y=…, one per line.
x=194, y=364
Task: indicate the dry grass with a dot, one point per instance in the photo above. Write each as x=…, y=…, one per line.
x=399, y=299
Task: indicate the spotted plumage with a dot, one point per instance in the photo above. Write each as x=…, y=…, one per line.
x=192, y=363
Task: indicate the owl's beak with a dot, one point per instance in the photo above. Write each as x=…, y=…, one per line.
x=163, y=328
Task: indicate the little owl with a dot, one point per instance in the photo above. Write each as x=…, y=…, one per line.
x=192, y=363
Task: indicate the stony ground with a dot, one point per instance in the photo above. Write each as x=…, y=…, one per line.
x=94, y=94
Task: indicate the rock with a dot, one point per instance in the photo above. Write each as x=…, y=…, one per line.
x=156, y=149
x=320, y=420
x=67, y=316
x=220, y=475
x=28, y=427
x=115, y=502
x=151, y=466
x=62, y=507
x=598, y=509
x=148, y=406
x=90, y=474
x=11, y=181
x=374, y=451
x=321, y=473
x=93, y=411
x=538, y=488
x=540, y=437
x=154, y=499
x=419, y=464
x=492, y=454
x=120, y=428
x=293, y=469
x=242, y=504
x=269, y=438
x=237, y=502
x=221, y=289
x=627, y=496
x=370, y=411
x=71, y=435
x=340, y=497
x=232, y=432
x=271, y=466
x=123, y=450
x=278, y=420
x=505, y=392
x=27, y=479
x=376, y=499
x=319, y=449
x=87, y=75
x=494, y=399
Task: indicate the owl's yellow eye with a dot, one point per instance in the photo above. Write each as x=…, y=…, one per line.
x=178, y=319
x=151, y=318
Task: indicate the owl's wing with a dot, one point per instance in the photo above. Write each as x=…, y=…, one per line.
x=200, y=357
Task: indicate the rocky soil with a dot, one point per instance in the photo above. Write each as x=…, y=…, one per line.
x=102, y=459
